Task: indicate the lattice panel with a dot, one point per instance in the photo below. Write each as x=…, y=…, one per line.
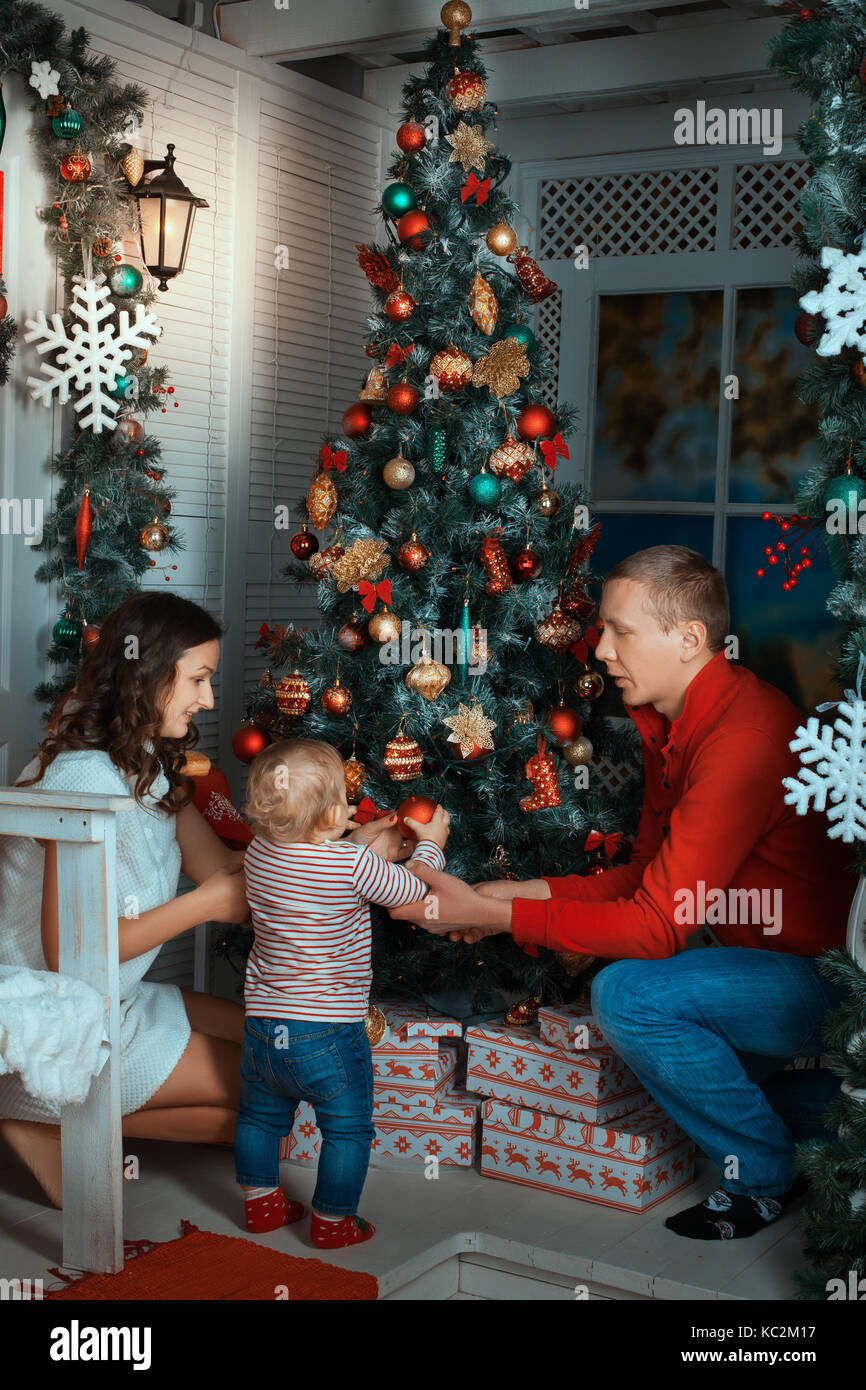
x=613, y=775
x=767, y=204
x=547, y=331
x=646, y=212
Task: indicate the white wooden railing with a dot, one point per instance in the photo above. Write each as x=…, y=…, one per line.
x=84, y=826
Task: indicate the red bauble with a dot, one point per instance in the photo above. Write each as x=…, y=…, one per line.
x=411, y=137
x=352, y=636
x=414, y=229
x=476, y=751
x=419, y=808
x=402, y=398
x=75, y=168
x=413, y=555
x=400, y=306
x=807, y=328
x=90, y=636
x=304, y=544
x=337, y=700
x=564, y=723
x=248, y=742
x=357, y=420
x=525, y=564
x=536, y=420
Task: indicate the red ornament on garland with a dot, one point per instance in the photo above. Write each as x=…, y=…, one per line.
x=536, y=420
x=411, y=137
x=83, y=528
x=304, y=544
x=564, y=723
x=400, y=306
x=414, y=229
x=248, y=742
x=75, y=167
x=807, y=328
x=525, y=564
x=402, y=398
x=420, y=808
x=357, y=420
x=90, y=636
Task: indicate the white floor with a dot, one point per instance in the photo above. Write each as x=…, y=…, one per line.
x=459, y=1236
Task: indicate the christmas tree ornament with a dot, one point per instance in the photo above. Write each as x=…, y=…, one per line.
x=536, y=285
x=132, y=165
x=558, y=631
x=535, y=420
x=833, y=768
x=124, y=387
x=577, y=603
x=483, y=304
x=384, y=626
x=428, y=678
x=455, y=15
x=413, y=554
x=842, y=301
x=847, y=490
x=398, y=473
x=494, y=561
x=399, y=198
x=125, y=279
x=55, y=104
x=411, y=137
x=502, y=368
x=522, y=334
x=547, y=503
x=522, y=713
x=500, y=865
x=365, y=559
x=436, y=448
x=249, y=742
x=501, y=239
x=75, y=167
x=485, y=488
x=103, y=246
x=525, y=564
x=66, y=632
x=578, y=753
x=590, y=684
x=352, y=636
x=400, y=306
x=293, y=694
x=83, y=528
x=375, y=388
x=551, y=449
x=321, y=501
x=564, y=723
x=467, y=91
x=303, y=543
x=67, y=124
x=479, y=188
x=470, y=729
x=354, y=773
x=524, y=1013
x=403, y=398
x=336, y=699
x=469, y=147
x=90, y=636
x=357, y=420
x=321, y=563
x=541, y=772
x=130, y=430
x=402, y=759
x=420, y=808
x=414, y=230
x=807, y=328
x=44, y=78
x=451, y=368
x=267, y=681
x=154, y=536
x=375, y=1024
x=378, y=269
x=89, y=357
x=512, y=459
x=465, y=648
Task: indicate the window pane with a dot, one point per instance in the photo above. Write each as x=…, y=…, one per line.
x=658, y=387
x=788, y=639
x=773, y=434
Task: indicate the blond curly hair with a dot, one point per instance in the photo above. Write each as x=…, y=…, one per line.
x=291, y=786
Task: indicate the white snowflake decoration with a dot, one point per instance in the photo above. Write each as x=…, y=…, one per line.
x=842, y=301
x=89, y=358
x=45, y=79
x=839, y=771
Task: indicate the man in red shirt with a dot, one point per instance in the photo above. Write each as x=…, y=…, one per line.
x=717, y=846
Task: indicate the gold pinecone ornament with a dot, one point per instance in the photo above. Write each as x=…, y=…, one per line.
x=321, y=501
x=483, y=304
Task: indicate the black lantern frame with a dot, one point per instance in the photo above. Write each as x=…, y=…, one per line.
x=171, y=196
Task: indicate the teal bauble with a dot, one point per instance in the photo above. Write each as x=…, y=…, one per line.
x=523, y=334
x=67, y=125
x=66, y=632
x=436, y=448
x=123, y=388
x=847, y=489
x=125, y=279
x=399, y=198
x=485, y=489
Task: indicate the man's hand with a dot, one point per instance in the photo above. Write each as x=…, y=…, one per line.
x=510, y=889
x=452, y=908
x=384, y=837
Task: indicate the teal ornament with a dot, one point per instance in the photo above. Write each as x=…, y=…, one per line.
x=67, y=125
x=66, y=632
x=436, y=443
x=847, y=489
x=123, y=388
x=523, y=335
x=485, y=488
x=465, y=649
x=125, y=279
x=399, y=198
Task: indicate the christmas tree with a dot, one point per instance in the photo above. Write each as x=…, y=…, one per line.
x=823, y=53
x=454, y=659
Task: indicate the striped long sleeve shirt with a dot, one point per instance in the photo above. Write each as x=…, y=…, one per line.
x=309, y=904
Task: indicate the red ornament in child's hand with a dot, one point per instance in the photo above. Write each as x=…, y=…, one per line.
x=420, y=808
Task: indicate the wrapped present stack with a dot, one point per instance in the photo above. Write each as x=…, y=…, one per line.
x=564, y=1113
x=420, y=1107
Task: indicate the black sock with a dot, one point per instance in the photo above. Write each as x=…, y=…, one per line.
x=733, y=1215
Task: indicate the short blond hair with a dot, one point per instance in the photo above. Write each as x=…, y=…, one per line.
x=291, y=786
x=681, y=584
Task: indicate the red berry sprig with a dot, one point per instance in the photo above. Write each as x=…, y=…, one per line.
x=795, y=556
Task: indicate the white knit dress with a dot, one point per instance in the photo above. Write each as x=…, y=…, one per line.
x=154, y=1028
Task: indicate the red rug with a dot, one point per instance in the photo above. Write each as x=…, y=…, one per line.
x=204, y=1268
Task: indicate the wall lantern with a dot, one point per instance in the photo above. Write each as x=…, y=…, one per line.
x=167, y=211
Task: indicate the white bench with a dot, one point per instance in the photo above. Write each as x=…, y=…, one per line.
x=84, y=826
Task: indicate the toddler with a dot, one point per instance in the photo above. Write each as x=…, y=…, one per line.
x=307, y=983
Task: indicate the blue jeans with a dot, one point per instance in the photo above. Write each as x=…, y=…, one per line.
x=707, y=1033
x=285, y=1060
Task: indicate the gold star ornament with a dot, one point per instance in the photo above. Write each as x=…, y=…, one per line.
x=469, y=146
x=470, y=726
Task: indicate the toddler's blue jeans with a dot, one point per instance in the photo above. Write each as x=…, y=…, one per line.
x=285, y=1060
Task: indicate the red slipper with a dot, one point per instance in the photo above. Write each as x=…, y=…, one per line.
x=270, y=1212
x=331, y=1235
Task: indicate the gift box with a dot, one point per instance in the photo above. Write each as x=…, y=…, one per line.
x=516, y=1066
x=632, y=1164
x=416, y=1080
x=409, y=1021
x=447, y=1130
x=571, y=1027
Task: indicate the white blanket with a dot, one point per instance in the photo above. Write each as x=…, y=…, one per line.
x=52, y=1031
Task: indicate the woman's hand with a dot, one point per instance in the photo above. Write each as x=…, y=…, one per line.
x=508, y=889
x=450, y=905
x=384, y=837
x=224, y=896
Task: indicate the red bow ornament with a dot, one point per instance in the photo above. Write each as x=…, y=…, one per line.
x=396, y=355
x=366, y=811
x=580, y=649
x=480, y=187
x=333, y=459
x=370, y=592
x=595, y=839
x=550, y=448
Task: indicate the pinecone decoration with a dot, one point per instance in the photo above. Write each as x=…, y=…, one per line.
x=378, y=269
x=483, y=304
x=321, y=501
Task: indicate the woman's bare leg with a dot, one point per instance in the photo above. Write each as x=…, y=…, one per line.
x=38, y=1146
x=208, y=1074
x=218, y=1018
x=183, y=1124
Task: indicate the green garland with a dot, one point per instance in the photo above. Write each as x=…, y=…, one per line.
x=123, y=475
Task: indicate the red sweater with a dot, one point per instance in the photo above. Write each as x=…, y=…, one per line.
x=713, y=814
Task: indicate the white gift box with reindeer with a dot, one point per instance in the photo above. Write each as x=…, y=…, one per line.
x=631, y=1163
x=571, y=1027
x=446, y=1129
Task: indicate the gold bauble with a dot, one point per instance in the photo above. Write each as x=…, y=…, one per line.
x=154, y=536
x=548, y=503
x=375, y=1025
x=501, y=239
x=455, y=16
x=578, y=753
x=428, y=678
x=354, y=773
x=398, y=473
x=133, y=167
x=384, y=626
x=590, y=685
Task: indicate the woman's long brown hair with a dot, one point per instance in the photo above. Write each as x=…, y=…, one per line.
x=117, y=702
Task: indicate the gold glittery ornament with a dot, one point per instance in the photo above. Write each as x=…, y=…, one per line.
x=375, y=387
x=467, y=91
x=154, y=536
x=470, y=726
x=365, y=559
x=398, y=473
x=589, y=685
x=133, y=166
x=375, y=1024
x=384, y=626
x=354, y=773
x=428, y=678
x=323, y=560
x=469, y=146
x=501, y=239
x=578, y=753
x=321, y=500
x=512, y=459
x=502, y=368
x=483, y=304
x=293, y=694
x=403, y=759
x=558, y=630
x=547, y=503
x=451, y=368
x=455, y=15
